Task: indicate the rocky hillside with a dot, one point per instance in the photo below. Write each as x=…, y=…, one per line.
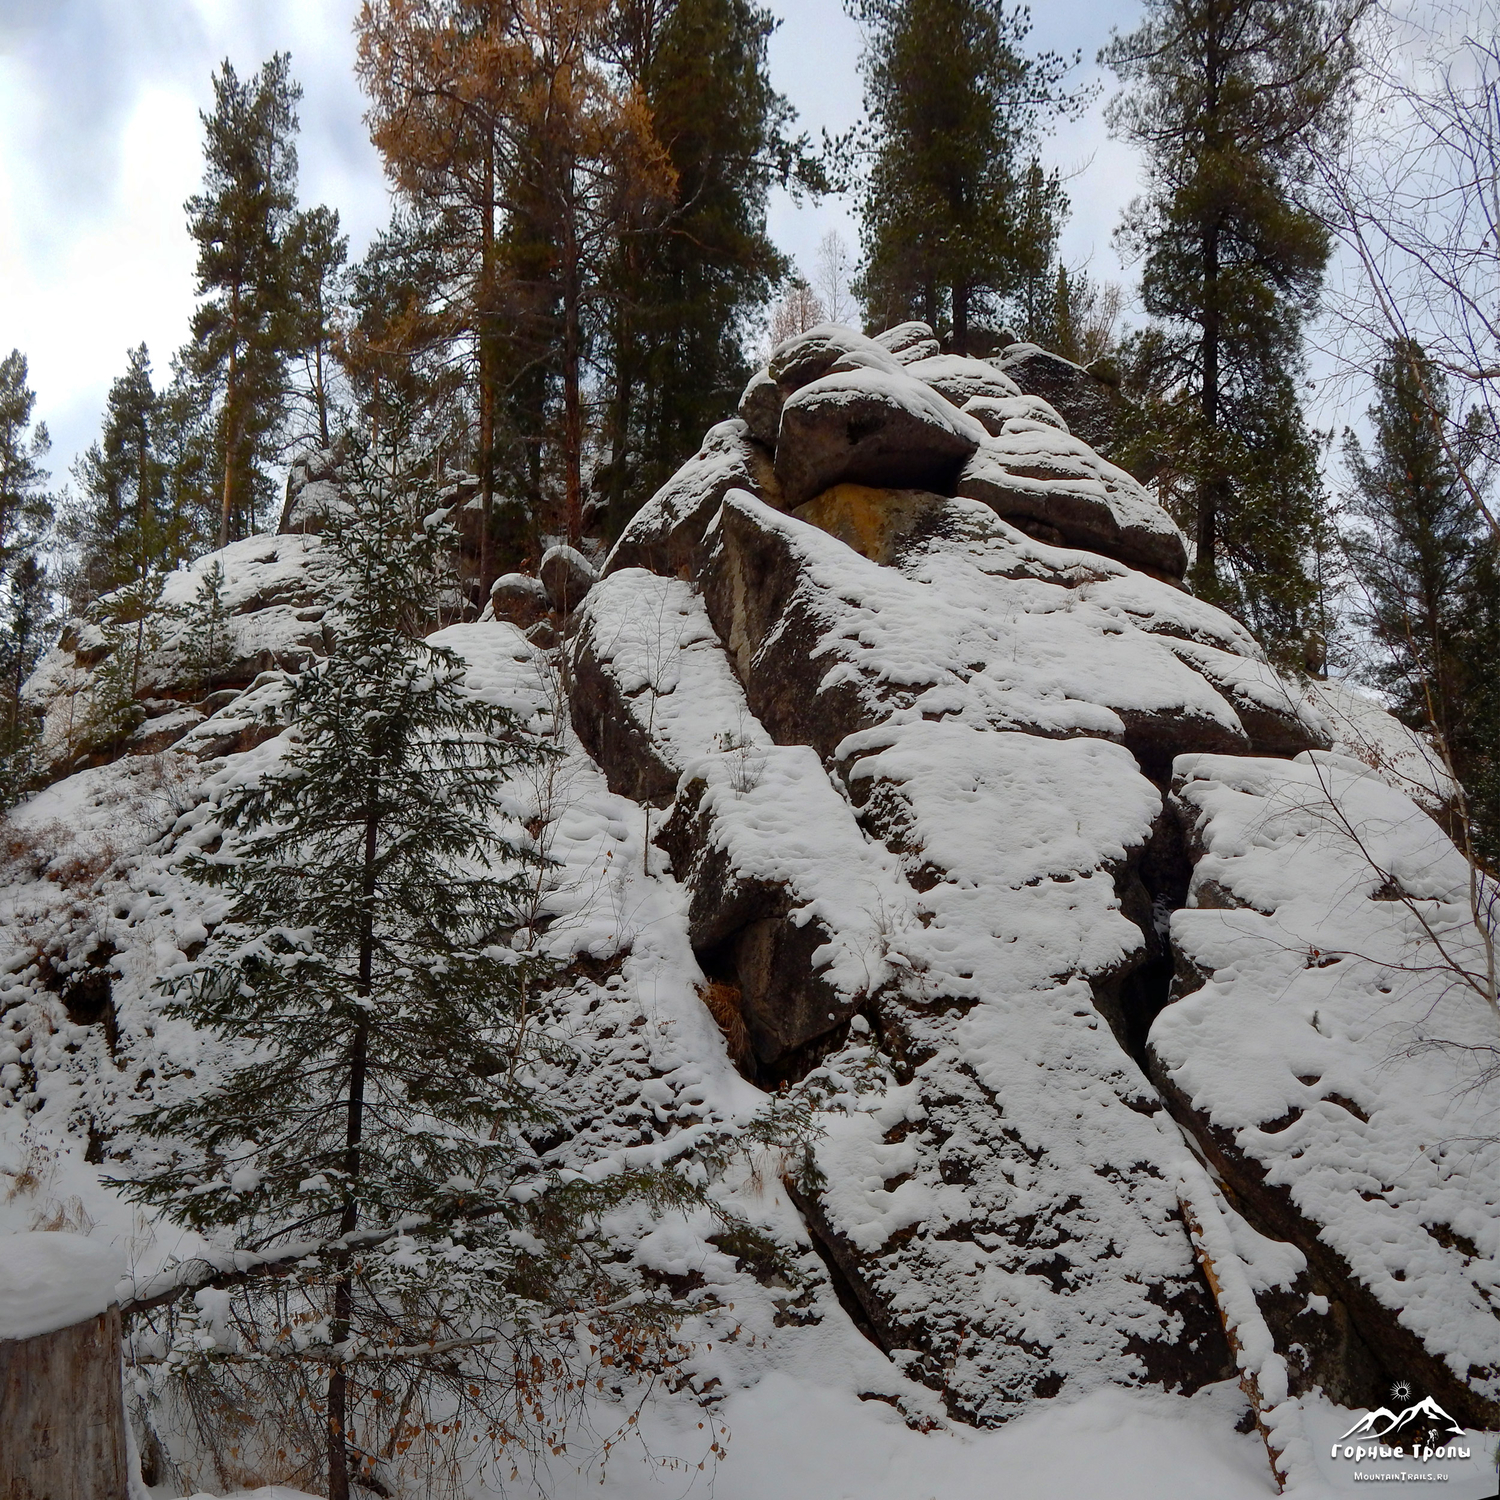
x=1126, y=971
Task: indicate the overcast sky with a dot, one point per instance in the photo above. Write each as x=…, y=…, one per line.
x=100, y=145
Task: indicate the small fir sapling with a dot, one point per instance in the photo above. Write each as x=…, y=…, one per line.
x=206, y=641
x=131, y=627
x=380, y=999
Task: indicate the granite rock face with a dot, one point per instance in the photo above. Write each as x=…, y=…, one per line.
x=944, y=748
x=905, y=783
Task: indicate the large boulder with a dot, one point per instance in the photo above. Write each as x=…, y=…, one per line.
x=786, y=893
x=1057, y=487
x=314, y=492
x=1021, y=1183
x=909, y=342
x=277, y=611
x=870, y=427
x=520, y=599
x=999, y=414
x=961, y=379
x=760, y=408
x=975, y=622
x=567, y=576
x=1089, y=404
x=805, y=357
x=666, y=534
x=653, y=691
x=1316, y=1050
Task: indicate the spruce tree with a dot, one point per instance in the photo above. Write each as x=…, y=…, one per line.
x=206, y=641
x=191, y=458
x=377, y=987
x=25, y=631
x=682, y=293
x=124, y=527
x=955, y=219
x=1226, y=98
x=25, y=588
x=240, y=331
x=130, y=619
x=1424, y=568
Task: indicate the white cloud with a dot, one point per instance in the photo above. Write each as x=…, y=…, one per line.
x=100, y=145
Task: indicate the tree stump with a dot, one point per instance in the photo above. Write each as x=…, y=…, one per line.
x=62, y=1416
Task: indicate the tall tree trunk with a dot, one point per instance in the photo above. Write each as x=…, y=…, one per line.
x=1211, y=486
x=572, y=430
x=231, y=417
x=142, y=485
x=484, y=331
x=572, y=393
x=960, y=320
x=322, y=395
x=343, y=1293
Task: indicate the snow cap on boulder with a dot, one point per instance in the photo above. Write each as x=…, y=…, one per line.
x=909, y=342
x=760, y=407
x=961, y=379
x=567, y=575
x=519, y=598
x=666, y=533
x=806, y=356
x=873, y=427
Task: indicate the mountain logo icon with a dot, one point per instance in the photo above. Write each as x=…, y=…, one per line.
x=1383, y=1423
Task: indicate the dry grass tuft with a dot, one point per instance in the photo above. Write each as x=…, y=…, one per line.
x=723, y=1002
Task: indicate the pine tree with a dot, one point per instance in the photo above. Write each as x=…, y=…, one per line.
x=1226, y=97
x=206, y=641
x=682, y=293
x=955, y=216
x=378, y=988
x=191, y=459
x=130, y=619
x=240, y=220
x=25, y=588
x=124, y=527
x=25, y=507
x=1424, y=568
x=316, y=252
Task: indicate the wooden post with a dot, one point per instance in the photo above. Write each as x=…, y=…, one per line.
x=62, y=1411
x=62, y=1418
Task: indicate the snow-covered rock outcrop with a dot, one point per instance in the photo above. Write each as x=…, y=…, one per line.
x=982, y=641
x=275, y=604
x=895, y=756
